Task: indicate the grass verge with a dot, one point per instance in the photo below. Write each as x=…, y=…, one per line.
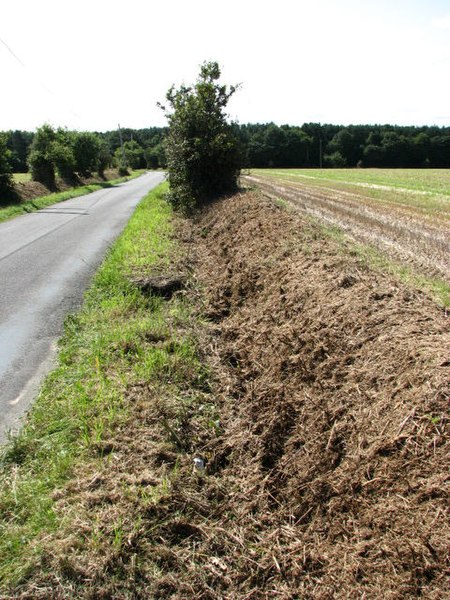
x=14, y=210
x=120, y=338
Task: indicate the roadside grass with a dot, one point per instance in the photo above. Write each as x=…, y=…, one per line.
x=14, y=210
x=107, y=347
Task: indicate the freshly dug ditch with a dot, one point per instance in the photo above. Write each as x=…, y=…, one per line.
x=334, y=410
x=323, y=431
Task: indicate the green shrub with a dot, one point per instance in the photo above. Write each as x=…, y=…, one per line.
x=41, y=159
x=86, y=151
x=63, y=156
x=202, y=151
x=104, y=157
x=7, y=191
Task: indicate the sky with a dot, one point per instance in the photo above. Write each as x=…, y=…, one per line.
x=93, y=64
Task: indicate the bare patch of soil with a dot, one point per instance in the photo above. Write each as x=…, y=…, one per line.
x=28, y=190
x=401, y=231
x=324, y=437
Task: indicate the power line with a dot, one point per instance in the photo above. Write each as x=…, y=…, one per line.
x=12, y=53
x=41, y=83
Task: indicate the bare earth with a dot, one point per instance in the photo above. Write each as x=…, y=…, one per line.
x=402, y=231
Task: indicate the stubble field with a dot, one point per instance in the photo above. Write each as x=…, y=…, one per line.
x=403, y=213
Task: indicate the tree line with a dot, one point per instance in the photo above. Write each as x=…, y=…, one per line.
x=316, y=145
x=51, y=152
x=140, y=148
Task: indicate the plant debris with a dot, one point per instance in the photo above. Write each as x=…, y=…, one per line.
x=323, y=428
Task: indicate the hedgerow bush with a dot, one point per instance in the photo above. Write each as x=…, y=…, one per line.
x=202, y=151
x=41, y=158
x=7, y=192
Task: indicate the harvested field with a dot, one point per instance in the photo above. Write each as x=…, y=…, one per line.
x=406, y=224
x=323, y=427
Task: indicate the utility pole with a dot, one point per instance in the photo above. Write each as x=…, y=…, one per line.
x=124, y=160
x=320, y=152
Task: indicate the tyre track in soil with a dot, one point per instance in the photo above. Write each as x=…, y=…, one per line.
x=399, y=231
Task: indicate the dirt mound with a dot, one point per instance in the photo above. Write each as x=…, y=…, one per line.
x=335, y=437
x=29, y=190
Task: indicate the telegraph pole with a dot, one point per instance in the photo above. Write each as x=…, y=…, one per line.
x=124, y=160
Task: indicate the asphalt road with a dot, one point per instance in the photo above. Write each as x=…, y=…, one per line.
x=47, y=259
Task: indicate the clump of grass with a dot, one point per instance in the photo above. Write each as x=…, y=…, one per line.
x=106, y=349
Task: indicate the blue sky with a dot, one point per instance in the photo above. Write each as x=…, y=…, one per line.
x=91, y=64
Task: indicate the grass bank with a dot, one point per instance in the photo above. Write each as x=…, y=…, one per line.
x=122, y=338
x=14, y=210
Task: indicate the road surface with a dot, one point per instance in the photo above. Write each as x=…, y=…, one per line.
x=47, y=259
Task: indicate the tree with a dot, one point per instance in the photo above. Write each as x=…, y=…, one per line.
x=63, y=156
x=86, y=151
x=7, y=191
x=134, y=155
x=19, y=143
x=343, y=148
x=41, y=159
x=202, y=151
x=104, y=157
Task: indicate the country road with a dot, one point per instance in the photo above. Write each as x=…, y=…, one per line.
x=47, y=259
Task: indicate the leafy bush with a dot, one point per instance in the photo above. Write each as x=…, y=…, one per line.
x=86, y=151
x=202, y=151
x=41, y=159
x=63, y=155
x=132, y=153
x=104, y=157
x=7, y=192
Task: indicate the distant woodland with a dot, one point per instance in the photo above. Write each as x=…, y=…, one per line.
x=264, y=145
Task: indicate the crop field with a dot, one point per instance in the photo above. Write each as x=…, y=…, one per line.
x=404, y=213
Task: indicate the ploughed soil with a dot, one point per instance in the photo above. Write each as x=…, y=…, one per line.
x=401, y=230
x=325, y=443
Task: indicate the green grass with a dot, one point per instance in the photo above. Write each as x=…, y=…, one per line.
x=21, y=177
x=14, y=210
x=432, y=181
x=104, y=351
